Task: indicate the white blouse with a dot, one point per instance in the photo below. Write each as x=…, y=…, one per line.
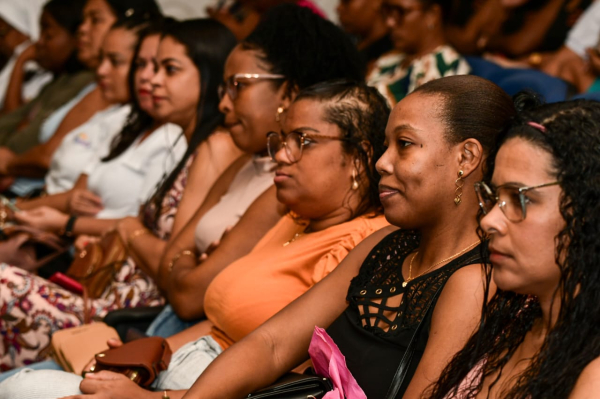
x=254, y=178
x=126, y=182
x=82, y=145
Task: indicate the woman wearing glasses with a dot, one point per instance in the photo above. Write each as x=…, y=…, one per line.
x=539, y=337
x=326, y=176
x=422, y=52
x=373, y=302
x=259, y=84
x=35, y=307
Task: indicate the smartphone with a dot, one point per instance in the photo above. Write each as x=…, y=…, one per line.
x=7, y=203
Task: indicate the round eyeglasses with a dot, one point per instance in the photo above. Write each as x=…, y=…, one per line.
x=232, y=84
x=293, y=142
x=512, y=200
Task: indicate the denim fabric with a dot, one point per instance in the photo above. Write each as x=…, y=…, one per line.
x=167, y=323
x=187, y=363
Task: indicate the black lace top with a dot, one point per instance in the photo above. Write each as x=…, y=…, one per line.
x=374, y=331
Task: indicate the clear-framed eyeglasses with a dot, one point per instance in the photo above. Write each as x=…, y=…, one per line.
x=232, y=85
x=511, y=199
x=293, y=142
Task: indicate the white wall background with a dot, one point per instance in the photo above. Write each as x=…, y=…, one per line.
x=185, y=9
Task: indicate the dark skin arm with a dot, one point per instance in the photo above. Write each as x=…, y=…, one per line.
x=189, y=280
x=473, y=37
x=57, y=201
x=259, y=359
x=185, y=239
x=531, y=35
x=282, y=342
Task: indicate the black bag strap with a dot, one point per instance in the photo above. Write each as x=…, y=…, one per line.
x=402, y=370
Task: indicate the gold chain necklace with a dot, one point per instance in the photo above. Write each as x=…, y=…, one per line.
x=298, y=235
x=410, y=278
x=293, y=238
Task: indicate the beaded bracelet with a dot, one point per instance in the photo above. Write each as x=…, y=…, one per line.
x=187, y=252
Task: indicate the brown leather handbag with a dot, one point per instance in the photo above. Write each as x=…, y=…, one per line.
x=140, y=360
x=97, y=264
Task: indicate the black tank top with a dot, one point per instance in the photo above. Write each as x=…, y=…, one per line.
x=374, y=348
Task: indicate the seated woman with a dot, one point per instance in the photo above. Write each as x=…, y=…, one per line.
x=184, y=99
x=28, y=148
x=115, y=175
x=543, y=245
x=326, y=176
x=253, y=106
x=21, y=78
x=180, y=277
x=422, y=52
x=402, y=269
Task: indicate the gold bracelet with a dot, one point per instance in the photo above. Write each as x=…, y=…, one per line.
x=165, y=396
x=187, y=252
x=135, y=235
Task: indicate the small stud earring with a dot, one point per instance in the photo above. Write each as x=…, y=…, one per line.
x=280, y=111
x=458, y=191
x=354, y=181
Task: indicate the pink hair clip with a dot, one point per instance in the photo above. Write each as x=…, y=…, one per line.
x=537, y=126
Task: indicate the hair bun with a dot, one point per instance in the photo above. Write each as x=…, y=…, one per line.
x=527, y=100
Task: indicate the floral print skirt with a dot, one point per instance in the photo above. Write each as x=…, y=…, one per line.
x=32, y=308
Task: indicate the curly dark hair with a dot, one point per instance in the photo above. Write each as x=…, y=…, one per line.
x=572, y=138
x=361, y=113
x=303, y=47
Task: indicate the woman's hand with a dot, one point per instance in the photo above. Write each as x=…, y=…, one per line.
x=213, y=245
x=112, y=344
x=29, y=54
x=84, y=203
x=109, y=385
x=44, y=218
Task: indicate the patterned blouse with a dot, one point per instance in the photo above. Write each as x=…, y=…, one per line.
x=396, y=81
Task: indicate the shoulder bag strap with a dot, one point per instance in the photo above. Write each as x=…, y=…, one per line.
x=408, y=355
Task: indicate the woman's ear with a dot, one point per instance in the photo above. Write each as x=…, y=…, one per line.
x=470, y=156
x=288, y=93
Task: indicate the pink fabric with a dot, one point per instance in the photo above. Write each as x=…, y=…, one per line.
x=310, y=5
x=329, y=362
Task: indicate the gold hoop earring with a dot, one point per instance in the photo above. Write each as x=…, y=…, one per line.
x=280, y=111
x=354, y=181
x=458, y=191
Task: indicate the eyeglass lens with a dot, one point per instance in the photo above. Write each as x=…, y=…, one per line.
x=508, y=198
x=293, y=145
x=228, y=87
